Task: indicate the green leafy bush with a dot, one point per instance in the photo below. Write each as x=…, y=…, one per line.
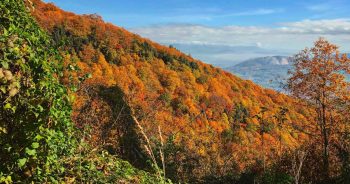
x=35, y=108
x=38, y=141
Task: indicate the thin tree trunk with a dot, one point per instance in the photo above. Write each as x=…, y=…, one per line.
x=325, y=144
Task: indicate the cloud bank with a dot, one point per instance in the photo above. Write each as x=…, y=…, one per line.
x=291, y=35
x=288, y=37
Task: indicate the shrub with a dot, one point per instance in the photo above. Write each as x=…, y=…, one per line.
x=39, y=143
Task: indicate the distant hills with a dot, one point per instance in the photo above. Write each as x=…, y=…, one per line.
x=267, y=71
x=225, y=56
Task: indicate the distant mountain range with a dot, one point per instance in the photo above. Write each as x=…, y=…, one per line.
x=267, y=71
x=225, y=56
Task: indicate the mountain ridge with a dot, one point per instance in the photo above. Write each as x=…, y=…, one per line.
x=269, y=71
x=205, y=113
x=223, y=55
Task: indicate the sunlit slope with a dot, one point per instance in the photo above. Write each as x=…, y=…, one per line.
x=208, y=114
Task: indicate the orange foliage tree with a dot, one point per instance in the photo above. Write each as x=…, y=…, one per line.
x=319, y=79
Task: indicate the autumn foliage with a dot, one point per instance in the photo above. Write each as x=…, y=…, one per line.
x=215, y=123
x=319, y=79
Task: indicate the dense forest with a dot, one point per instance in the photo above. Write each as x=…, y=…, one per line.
x=84, y=101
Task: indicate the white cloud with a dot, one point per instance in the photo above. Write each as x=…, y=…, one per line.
x=226, y=45
x=287, y=36
x=327, y=26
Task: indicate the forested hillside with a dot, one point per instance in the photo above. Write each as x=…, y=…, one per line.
x=87, y=95
x=209, y=118
x=38, y=141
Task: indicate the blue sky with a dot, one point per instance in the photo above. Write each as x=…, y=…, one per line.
x=272, y=27
x=136, y=13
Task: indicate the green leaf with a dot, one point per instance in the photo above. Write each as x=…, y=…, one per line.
x=38, y=137
x=3, y=89
x=3, y=130
x=5, y=65
x=74, y=88
x=30, y=152
x=41, y=109
x=7, y=106
x=35, y=145
x=13, y=109
x=21, y=162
